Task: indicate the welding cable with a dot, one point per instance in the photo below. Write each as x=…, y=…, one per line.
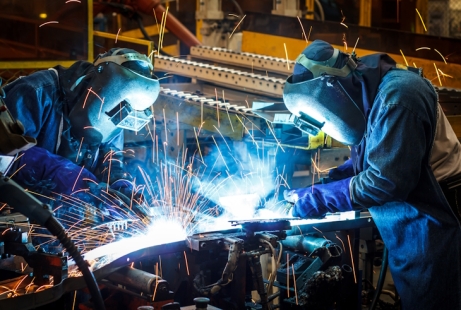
x=55, y=227
x=382, y=277
x=273, y=263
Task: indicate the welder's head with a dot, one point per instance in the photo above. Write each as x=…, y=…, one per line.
x=121, y=90
x=323, y=96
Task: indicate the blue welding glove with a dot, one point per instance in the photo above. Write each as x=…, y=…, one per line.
x=48, y=174
x=315, y=201
x=346, y=170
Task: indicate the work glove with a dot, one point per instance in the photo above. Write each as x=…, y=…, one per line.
x=48, y=174
x=317, y=200
x=346, y=170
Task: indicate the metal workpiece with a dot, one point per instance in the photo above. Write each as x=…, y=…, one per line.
x=139, y=280
x=248, y=82
x=307, y=244
x=242, y=59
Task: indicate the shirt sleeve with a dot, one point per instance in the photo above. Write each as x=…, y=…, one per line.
x=396, y=150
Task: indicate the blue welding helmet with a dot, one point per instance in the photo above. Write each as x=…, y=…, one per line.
x=121, y=90
x=322, y=95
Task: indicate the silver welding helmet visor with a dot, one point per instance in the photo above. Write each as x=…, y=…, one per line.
x=116, y=98
x=323, y=104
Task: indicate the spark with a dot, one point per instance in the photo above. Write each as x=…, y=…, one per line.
x=230, y=14
x=438, y=75
x=302, y=28
x=320, y=232
x=423, y=48
x=404, y=57
x=425, y=29
x=222, y=157
x=345, y=42
x=414, y=65
x=51, y=22
x=356, y=42
x=18, y=157
x=217, y=106
x=441, y=56
x=19, y=283
x=69, y=1
x=118, y=32
x=443, y=74
x=187, y=264
x=79, y=147
x=309, y=35
x=352, y=258
x=337, y=237
x=286, y=55
x=177, y=129
x=75, y=297
x=4, y=205
x=294, y=282
x=343, y=24
x=237, y=26
x=47, y=197
x=166, y=132
x=198, y=145
x=78, y=176
x=16, y=171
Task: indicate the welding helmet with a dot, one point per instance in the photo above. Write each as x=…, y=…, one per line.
x=120, y=91
x=322, y=95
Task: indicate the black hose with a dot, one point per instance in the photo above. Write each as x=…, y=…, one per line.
x=55, y=227
x=382, y=277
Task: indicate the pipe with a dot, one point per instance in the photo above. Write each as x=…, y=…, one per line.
x=306, y=244
x=151, y=7
x=136, y=279
x=382, y=277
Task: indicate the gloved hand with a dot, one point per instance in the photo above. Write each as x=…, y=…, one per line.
x=315, y=201
x=344, y=171
x=47, y=173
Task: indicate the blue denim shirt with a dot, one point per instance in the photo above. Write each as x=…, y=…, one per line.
x=408, y=206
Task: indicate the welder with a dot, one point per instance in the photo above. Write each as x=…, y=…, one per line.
x=78, y=115
x=404, y=167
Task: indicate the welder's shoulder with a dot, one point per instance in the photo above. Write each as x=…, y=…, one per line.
x=405, y=88
x=36, y=81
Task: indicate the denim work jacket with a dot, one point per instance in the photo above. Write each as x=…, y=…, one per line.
x=397, y=184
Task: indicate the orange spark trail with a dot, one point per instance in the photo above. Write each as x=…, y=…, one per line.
x=78, y=176
x=69, y=1
x=116, y=37
x=237, y=26
x=404, y=57
x=425, y=29
x=52, y=22
x=302, y=28
x=441, y=56
x=187, y=264
x=288, y=275
x=16, y=171
x=79, y=148
x=294, y=283
x=352, y=258
x=286, y=55
x=438, y=75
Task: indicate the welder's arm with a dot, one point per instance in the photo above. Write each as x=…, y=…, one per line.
x=394, y=158
x=346, y=170
x=111, y=166
x=47, y=173
x=317, y=200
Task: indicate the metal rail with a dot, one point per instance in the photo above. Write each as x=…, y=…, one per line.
x=247, y=60
x=244, y=81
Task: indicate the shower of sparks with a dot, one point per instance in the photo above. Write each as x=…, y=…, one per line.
x=444, y=60
x=294, y=283
x=237, y=26
x=118, y=32
x=425, y=29
x=406, y=62
x=286, y=55
x=438, y=75
x=352, y=258
x=302, y=28
x=51, y=22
